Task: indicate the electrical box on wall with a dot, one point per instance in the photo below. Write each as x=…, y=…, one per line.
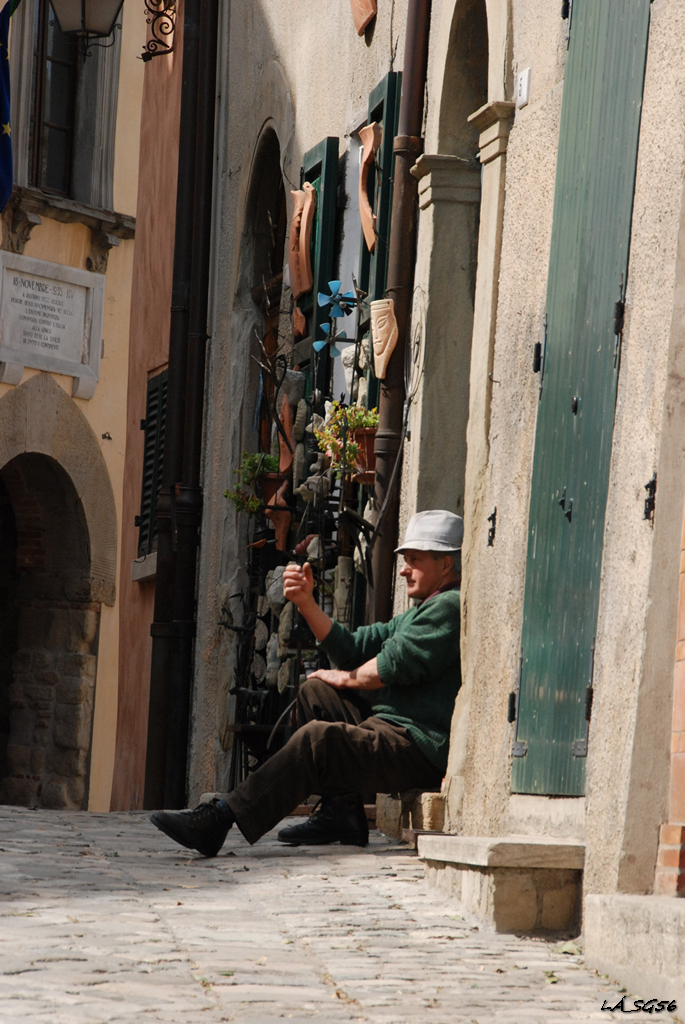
x=522, y=87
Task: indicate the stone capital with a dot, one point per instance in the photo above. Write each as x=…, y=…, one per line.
x=493, y=121
x=446, y=179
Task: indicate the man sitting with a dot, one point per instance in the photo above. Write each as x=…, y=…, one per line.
x=379, y=722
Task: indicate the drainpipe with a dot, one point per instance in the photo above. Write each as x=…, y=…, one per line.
x=400, y=285
x=179, y=507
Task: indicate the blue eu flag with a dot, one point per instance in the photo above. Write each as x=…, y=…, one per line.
x=5, y=131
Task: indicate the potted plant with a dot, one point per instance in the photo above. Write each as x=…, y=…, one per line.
x=257, y=470
x=347, y=438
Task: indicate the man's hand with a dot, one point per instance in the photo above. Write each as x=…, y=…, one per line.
x=298, y=584
x=334, y=677
x=298, y=587
x=363, y=678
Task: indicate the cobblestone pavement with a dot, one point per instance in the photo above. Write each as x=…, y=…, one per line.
x=102, y=919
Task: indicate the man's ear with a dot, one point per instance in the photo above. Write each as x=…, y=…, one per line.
x=449, y=567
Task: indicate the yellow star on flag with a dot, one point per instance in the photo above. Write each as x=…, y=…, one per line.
x=6, y=130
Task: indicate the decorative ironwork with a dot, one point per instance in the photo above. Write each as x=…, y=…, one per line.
x=161, y=17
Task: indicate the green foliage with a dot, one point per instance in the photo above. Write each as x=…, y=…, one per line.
x=336, y=440
x=252, y=466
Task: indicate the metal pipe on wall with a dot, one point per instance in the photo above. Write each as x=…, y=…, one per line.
x=400, y=285
x=179, y=506
x=188, y=494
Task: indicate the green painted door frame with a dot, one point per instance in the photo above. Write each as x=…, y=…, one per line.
x=588, y=268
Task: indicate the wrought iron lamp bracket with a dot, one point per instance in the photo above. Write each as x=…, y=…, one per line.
x=161, y=17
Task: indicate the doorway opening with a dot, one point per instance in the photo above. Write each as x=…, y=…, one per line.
x=446, y=285
x=49, y=635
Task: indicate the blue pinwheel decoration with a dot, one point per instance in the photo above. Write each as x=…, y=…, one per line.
x=331, y=336
x=341, y=304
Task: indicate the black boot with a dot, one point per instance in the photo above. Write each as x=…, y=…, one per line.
x=339, y=819
x=203, y=829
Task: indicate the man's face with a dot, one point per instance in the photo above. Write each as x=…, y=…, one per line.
x=425, y=574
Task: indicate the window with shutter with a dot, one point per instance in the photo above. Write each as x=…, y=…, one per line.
x=320, y=169
x=155, y=415
x=384, y=109
x=64, y=107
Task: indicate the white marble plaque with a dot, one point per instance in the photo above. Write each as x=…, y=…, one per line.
x=50, y=319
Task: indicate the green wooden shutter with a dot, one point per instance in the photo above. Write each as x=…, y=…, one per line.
x=600, y=123
x=153, y=450
x=384, y=109
x=320, y=169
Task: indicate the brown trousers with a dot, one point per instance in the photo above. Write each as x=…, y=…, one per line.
x=338, y=748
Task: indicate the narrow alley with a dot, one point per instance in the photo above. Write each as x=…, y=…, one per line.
x=102, y=920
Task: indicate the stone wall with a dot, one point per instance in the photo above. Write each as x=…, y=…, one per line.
x=51, y=700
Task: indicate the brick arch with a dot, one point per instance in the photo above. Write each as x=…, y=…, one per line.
x=40, y=418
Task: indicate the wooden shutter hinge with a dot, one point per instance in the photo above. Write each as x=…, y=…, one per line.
x=567, y=15
x=519, y=747
x=619, y=322
x=579, y=747
x=539, y=352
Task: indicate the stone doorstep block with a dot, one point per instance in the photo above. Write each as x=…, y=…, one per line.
x=411, y=810
x=504, y=851
x=639, y=941
x=389, y=815
x=427, y=813
x=515, y=883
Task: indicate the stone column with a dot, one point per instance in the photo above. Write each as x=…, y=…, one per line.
x=494, y=123
x=669, y=879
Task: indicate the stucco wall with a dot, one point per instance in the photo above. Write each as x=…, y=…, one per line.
x=69, y=245
x=622, y=639
x=293, y=83
x=149, y=328
x=494, y=577
x=309, y=76
x=105, y=412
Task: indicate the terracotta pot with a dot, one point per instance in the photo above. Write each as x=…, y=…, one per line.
x=270, y=483
x=366, y=460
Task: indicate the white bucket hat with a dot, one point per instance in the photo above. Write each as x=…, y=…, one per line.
x=436, y=530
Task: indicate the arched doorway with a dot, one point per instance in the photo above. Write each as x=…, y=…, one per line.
x=53, y=627
x=449, y=200
x=261, y=271
x=253, y=709
x=465, y=83
x=58, y=546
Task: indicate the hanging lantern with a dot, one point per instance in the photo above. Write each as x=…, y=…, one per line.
x=89, y=19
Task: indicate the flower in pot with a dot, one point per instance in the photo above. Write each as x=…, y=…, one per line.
x=347, y=438
x=257, y=471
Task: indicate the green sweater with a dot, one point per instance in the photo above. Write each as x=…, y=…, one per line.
x=419, y=664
